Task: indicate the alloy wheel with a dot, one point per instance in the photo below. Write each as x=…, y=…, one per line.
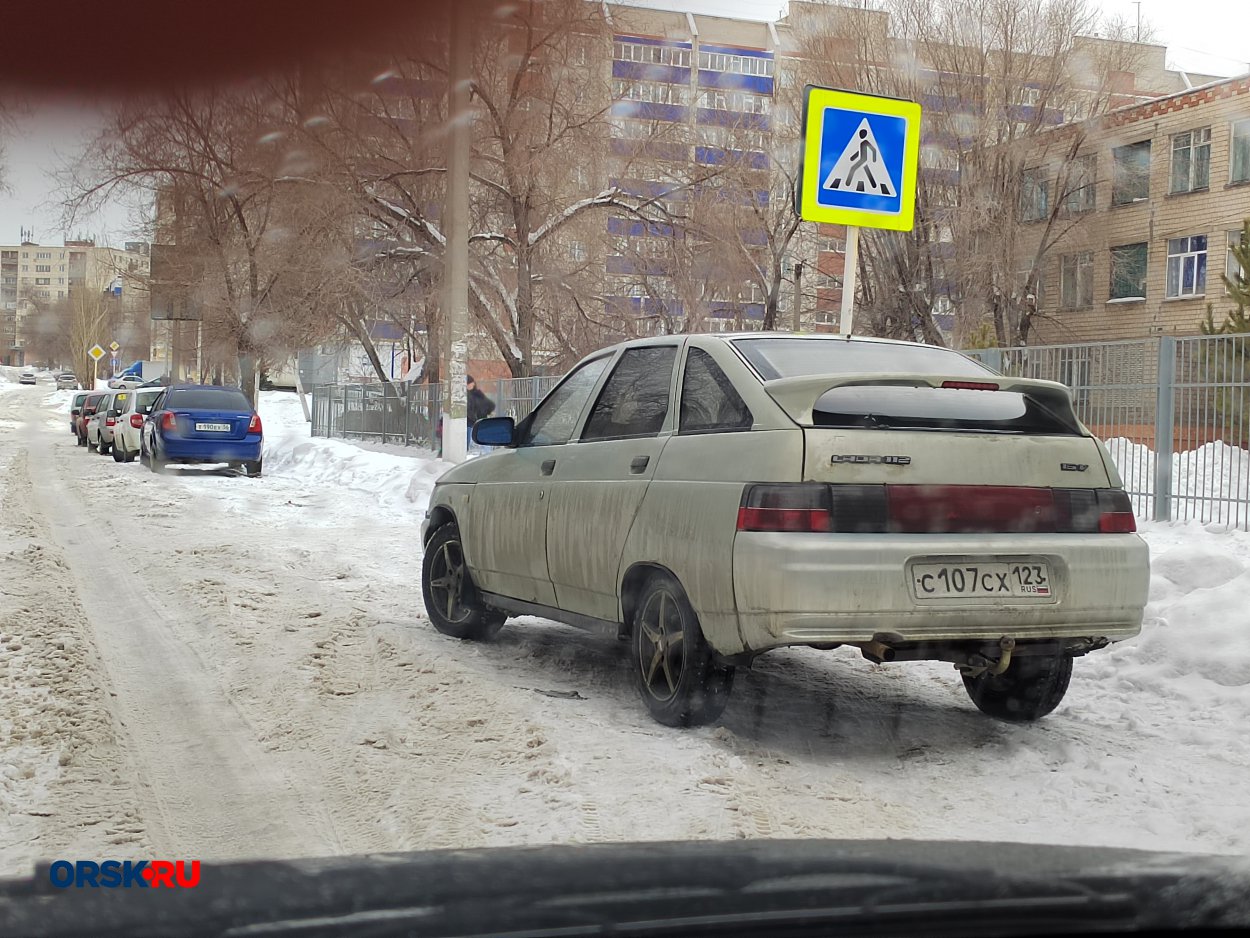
x=447, y=581
x=661, y=645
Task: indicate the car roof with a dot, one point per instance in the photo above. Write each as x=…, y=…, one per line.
x=728, y=337
x=202, y=387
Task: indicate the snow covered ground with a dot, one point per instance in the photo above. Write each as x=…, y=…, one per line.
x=206, y=666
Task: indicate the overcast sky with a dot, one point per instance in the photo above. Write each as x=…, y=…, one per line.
x=1205, y=36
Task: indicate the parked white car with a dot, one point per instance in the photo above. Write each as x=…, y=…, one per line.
x=129, y=422
x=27, y=377
x=103, y=422
x=126, y=382
x=753, y=491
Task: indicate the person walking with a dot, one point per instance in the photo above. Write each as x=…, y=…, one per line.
x=477, y=405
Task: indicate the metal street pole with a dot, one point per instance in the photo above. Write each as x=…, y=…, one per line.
x=456, y=215
x=798, y=297
x=848, y=277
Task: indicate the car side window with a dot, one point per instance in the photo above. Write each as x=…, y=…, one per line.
x=634, y=401
x=556, y=417
x=709, y=401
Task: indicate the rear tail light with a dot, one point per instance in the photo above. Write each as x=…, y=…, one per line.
x=254, y=424
x=169, y=421
x=787, y=507
x=934, y=509
x=110, y=421
x=136, y=421
x=1115, y=512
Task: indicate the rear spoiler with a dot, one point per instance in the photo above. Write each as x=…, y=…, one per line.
x=797, y=396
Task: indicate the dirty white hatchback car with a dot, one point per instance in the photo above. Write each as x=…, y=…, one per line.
x=715, y=497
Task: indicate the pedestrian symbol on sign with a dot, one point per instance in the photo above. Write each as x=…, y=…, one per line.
x=860, y=167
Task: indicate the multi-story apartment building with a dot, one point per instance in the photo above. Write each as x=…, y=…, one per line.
x=1144, y=246
x=34, y=278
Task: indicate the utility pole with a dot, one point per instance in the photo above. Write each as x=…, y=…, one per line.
x=456, y=213
x=798, y=296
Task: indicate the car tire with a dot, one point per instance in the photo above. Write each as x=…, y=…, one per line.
x=82, y=441
x=675, y=669
x=253, y=468
x=1028, y=690
x=155, y=463
x=119, y=455
x=103, y=448
x=91, y=447
x=129, y=455
x=451, y=600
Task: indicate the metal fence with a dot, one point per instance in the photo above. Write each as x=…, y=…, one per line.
x=408, y=414
x=1174, y=412
x=1187, y=398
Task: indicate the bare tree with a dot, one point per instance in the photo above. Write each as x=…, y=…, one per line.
x=541, y=126
x=216, y=157
x=997, y=181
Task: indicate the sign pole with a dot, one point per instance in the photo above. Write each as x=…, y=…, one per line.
x=850, y=266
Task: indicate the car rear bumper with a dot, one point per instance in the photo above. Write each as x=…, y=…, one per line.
x=799, y=588
x=175, y=449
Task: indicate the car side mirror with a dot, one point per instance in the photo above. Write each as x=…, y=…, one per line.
x=494, y=431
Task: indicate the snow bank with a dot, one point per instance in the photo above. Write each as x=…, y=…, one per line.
x=1195, y=642
x=398, y=478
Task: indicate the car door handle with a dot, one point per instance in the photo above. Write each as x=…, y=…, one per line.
x=638, y=464
x=548, y=467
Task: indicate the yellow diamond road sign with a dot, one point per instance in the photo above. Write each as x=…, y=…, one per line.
x=114, y=346
x=96, y=352
x=860, y=156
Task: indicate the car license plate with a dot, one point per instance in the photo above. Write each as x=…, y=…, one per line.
x=1016, y=579
x=214, y=427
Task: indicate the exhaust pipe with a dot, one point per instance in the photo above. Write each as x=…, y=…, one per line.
x=876, y=652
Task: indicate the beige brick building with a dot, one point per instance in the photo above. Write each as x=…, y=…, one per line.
x=1143, y=243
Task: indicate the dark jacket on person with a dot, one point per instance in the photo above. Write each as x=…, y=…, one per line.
x=478, y=406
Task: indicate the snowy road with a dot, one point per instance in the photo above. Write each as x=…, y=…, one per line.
x=204, y=666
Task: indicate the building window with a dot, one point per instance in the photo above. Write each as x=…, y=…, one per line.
x=1237, y=275
x=1034, y=195
x=1128, y=272
x=1187, y=266
x=43, y=255
x=43, y=268
x=1076, y=280
x=737, y=64
x=577, y=252
x=1131, y=179
x=1191, y=160
x=1239, y=163
x=43, y=281
x=650, y=92
x=741, y=101
x=650, y=55
x=1081, y=187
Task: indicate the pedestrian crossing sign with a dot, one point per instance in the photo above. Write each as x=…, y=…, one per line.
x=860, y=154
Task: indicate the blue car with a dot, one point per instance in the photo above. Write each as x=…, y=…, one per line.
x=201, y=423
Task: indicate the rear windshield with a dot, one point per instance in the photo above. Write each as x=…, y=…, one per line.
x=144, y=399
x=792, y=358
x=895, y=408
x=208, y=399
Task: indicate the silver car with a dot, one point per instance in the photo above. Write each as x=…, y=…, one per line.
x=715, y=497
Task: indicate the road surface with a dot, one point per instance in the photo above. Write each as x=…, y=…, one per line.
x=201, y=666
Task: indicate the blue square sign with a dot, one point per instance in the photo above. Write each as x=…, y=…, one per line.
x=861, y=161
